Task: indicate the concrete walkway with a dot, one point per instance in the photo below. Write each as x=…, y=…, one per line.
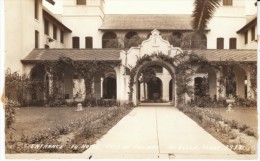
x=158, y=132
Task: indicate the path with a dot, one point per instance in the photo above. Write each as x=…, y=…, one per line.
x=158, y=132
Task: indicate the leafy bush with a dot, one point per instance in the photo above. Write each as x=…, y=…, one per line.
x=10, y=112
x=251, y=132
x=22, y=88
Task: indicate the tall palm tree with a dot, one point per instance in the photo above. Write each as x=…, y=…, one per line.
x=202, y=13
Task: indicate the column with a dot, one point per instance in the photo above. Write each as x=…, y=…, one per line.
x=220, y=86
x=101, y=87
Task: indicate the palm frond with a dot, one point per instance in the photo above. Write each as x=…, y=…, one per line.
x=202, y=13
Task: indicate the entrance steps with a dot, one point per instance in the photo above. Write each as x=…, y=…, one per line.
x=156, y=104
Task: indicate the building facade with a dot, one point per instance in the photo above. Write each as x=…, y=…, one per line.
x=84, y=32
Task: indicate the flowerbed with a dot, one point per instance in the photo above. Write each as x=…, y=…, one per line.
x=238, y=137
x=85, y=130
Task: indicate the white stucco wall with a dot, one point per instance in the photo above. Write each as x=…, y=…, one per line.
x=84, y=21
x=20, y=26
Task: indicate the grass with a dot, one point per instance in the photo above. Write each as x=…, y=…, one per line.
x=38, y=124
x=243, y=115
x=31, y=120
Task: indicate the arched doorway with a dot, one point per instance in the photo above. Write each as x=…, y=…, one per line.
x=109, y=88
x=201, y=86
x=231, y=84
x=205, y=82
x=160, y=83
x=154, y=89
x=39, y=79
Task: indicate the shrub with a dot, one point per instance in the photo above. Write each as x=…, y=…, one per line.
x=242, y=127
x=250, y=132
x=10, y=112
x=21, y=88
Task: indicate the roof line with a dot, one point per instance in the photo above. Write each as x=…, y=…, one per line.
x=51, y=2
x=46, y=13
x=33, y=61
x=248, y=25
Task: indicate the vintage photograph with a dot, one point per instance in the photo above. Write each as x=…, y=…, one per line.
x=130, y=79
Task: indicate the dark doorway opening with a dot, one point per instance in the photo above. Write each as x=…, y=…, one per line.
x=109, y=86
x=154, y=88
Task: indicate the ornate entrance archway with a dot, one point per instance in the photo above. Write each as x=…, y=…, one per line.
x=154, y=61
x=155, y=51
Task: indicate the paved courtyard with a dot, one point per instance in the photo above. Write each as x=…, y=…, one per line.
x=158, y=132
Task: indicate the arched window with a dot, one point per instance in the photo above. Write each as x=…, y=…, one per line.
x=199, y=41
x=220, y=43
x=232, y=43
x=109, y=40
x=89, y=42
x=131, y=39
x=75, y=42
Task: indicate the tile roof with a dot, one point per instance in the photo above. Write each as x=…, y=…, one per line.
x=228, y=54
x=114, y=55
x=147, y=22
x=74, y=54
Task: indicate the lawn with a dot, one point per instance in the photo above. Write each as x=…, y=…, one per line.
x=31, y=120
x=60, y=126
x=243, y=115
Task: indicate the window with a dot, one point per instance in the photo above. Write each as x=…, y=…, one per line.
x=36, y=39
x=75, y=42
x=46, y=27
x=220, y=43
x=61, y=36
x=89, y=42
x=227, y=2
x=131, y=39
x=109, y=40
x=232, y=43
x=246, y=37
x=55, y=32
x=81, y=2
x=36, y=9
x=253, y=33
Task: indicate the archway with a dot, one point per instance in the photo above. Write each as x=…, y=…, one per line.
x=131, y=39
x=155, y=62
x=109, y=88
x=109, y=40
x=231, y=84
x=40, y=80
x=200, y=86
x=207, y=73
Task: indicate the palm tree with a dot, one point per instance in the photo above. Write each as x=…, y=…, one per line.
x=202, y=13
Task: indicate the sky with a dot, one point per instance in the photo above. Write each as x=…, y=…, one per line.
x=149, y=6
x=138, y=6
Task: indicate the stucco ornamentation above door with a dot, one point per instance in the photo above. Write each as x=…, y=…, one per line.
x=154, y=44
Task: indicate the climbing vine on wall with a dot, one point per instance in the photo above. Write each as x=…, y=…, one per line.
x=86, y=70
